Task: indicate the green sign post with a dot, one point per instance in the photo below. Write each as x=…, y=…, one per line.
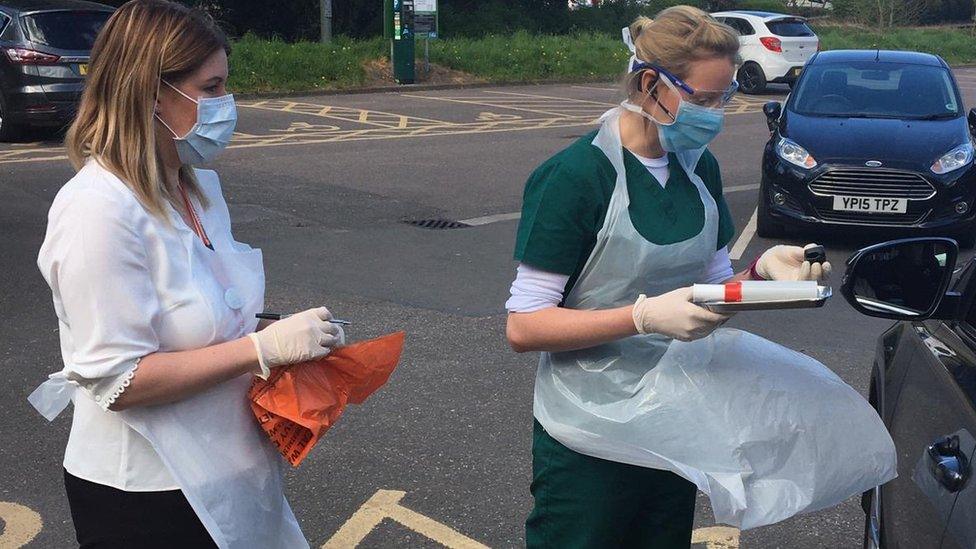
x=399, y=28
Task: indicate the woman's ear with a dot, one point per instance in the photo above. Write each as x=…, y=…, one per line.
x=646, y=80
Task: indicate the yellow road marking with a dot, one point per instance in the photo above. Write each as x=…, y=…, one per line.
x=567, y=99
x=717, y=537
x=22, y=524
x=559, y=113
x=385, y=504
x=487, y=102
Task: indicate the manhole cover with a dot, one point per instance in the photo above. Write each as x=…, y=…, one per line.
x=436, y=223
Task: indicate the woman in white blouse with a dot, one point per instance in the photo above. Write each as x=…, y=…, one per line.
x=156, y=304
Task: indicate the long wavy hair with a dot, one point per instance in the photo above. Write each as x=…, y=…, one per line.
x=143, y=42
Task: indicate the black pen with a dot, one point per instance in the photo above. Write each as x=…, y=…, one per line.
x=278, y=316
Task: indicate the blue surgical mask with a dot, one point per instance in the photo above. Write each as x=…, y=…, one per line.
x=216, y=120
x=693, y=126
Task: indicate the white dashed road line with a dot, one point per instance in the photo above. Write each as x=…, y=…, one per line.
x=743, y=242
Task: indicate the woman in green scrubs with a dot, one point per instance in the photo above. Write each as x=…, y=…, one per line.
x=614, y=231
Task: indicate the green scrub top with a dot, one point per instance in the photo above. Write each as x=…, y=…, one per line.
x=567, y=198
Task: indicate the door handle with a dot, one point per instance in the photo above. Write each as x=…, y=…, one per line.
x=948, y=464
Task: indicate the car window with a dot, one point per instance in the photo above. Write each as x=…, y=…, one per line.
x=870, y=89
x=789, y=28
x=66, y=30
x=3, y=22
x=741, y=26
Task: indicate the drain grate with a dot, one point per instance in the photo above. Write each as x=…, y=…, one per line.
x=436, y=224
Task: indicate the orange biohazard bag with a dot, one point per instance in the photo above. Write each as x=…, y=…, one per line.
x=297, y=404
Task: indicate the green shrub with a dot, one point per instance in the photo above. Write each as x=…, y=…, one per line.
x=953, y=45
x=273, y=65
x=776, y=6
x=523, y=56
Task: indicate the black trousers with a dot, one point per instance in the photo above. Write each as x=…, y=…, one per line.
x=108, y=518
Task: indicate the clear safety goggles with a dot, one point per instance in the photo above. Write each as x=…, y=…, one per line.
x=705, y=98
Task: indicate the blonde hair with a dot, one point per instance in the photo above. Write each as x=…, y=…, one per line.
x=679, y=36
x=143, y=42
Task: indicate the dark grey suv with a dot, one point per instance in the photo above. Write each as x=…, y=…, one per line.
x=924, y=388
x=44, y=51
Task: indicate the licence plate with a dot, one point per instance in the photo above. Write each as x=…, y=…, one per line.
x=83, y=69
x=870, y=205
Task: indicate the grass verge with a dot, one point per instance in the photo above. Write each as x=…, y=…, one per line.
x=274, y=66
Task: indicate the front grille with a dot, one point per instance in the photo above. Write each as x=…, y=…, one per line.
x=874, y=183
x=884, y=219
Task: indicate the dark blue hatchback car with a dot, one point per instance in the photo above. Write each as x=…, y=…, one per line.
x=873, y=140
x=44, y=52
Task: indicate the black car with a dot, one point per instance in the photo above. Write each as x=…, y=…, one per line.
x=873, y=139
x=44, y=52
x=923, y=386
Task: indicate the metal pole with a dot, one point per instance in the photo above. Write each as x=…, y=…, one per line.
x=427, y=54
x=325, y=36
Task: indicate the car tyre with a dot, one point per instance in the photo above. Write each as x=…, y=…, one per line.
x=751, y=78
x=8, y=130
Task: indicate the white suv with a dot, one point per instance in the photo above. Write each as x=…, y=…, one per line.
x=774, y=47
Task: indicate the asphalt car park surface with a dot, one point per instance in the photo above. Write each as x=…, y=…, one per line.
x=323, y=184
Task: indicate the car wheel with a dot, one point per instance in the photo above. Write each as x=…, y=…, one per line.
x=765, y=226
x=8, y=131
x=872, y=519
x=751, y=78
x=871, y=499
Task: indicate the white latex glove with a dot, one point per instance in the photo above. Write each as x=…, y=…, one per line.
x=787, y=263
x=301, y=337
x=674, y=315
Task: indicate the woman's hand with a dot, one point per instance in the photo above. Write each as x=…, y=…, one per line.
x=788, y=263
x=674, y=315
x=301, y=337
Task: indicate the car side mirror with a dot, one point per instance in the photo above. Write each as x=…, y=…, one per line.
x=773, y=110
x=903, y=279
x=972, y=122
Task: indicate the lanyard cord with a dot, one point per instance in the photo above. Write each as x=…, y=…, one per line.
x=197, y=226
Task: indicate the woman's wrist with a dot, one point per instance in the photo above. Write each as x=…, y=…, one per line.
x=753, y=272
x=250, y=355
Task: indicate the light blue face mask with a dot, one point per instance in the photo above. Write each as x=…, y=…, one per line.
x=216, y=120
x=693, y=126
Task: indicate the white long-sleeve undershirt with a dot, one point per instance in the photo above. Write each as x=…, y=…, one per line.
x=534, y=289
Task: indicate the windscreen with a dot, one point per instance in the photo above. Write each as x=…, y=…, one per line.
x=65, y=30
x=872, y=89
x=789, y=28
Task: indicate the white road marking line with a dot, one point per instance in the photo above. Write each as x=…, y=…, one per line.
x=22, y=524
x=385, y=504
x=596, y=88
x=743, y=242
x=739, y=188
x=485, y=220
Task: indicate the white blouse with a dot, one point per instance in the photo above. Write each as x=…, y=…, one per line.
x=126, y=284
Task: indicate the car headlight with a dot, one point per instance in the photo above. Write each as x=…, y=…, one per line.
x=789, y=151
x=954, y=159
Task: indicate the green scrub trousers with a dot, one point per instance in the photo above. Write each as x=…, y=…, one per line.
x=587, y=502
